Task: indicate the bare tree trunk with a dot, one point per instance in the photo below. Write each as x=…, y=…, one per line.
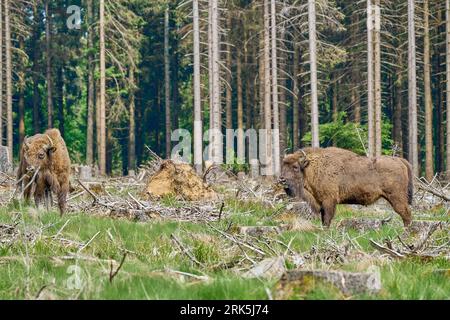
x=60, y=99
x=447, y=55
x=240, y=110
x=91, y=99
x=1, y=73
x=313, y=67
x=167, y=82
x=102, y=113
x=21, y=96
x=370, y=80
x=9, y=113
x=295, y=99
x=132, y=129
x=398, y=139
x=377, y=76
x=282, y=103
x=429, y=170
x=268, y=170
x=198, y=138
x=229, y=101
x=275, y=106
x=217, y=144
x=261, y=72
x=48, y=50
x=412, y=90
x=34, y=71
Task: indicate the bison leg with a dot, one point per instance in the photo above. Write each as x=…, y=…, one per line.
x=328, y=211
x=27, y=191
x=48, y=199
x=62, y=198
x=401, y=207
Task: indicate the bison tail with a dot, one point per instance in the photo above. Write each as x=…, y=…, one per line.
x=410, y=181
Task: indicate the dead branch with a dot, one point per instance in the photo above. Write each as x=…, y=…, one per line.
x=113, y=274
x=185, y=250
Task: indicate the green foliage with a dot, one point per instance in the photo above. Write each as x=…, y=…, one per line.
x=351, y=136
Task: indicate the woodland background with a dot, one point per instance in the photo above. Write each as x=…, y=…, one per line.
x=371, y=76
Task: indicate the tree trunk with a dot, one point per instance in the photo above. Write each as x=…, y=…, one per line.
x=34, y=72
x=21, y=96
x=447, y=62
x=282, y=103
x=217, y=153
x=377, y=76
x=229, y=101
x=48, y=50
x=60, y=88
x=132, y=129
x=370, y=80
x=313, y=70
x=268, y=171
x=9, y=111
x=1, y=73
x=398, y=139
x=429, y=170
x=198, y=134
x=102, y=113
x=295, y=99
x=91, y=98
x=275, y=106
x=412, y=90
x=167, y=83
x=240, y=110
x=262, y=83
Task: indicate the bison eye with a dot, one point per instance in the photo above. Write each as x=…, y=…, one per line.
x=41, y=155
x=296, y=168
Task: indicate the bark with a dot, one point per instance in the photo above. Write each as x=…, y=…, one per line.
x=102, y=113
x=21, y=97
x=447, y=62
x=240, y=111
x=295, y=99
x=1, y=73
x=267, y=92
x=132, y=129
x=198, y=138
x=377, y=77
x=91, y=98
x=412, y=90
x=60, y=87
x=429, y=170
x=398, y=139
x=275, y=105
x=48, y=49
x=9, y=111
x=167, y=83
x=313, y=71
x=370, y=80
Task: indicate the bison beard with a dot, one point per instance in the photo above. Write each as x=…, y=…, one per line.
x=331, y=176
x=45, y=157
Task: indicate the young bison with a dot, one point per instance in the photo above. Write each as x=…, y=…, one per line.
x=331, y=176
x=45, y=157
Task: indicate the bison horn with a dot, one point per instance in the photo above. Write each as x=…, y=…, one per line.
x=50, y=140
x=25, y=142
x=304, y=153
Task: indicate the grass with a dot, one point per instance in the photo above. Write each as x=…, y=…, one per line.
x=37, y=264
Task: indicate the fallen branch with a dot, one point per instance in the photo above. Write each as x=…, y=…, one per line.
x=113, y=274
x=88, y=191
x=386, y=250
x=185, y=250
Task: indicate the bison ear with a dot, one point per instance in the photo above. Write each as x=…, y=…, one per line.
x=51, y=150
x=304, y=162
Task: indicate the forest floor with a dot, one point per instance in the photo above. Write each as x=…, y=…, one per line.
x=170, y=249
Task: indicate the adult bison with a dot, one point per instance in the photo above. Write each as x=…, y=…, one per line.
x=325, y=177
x=45, y=164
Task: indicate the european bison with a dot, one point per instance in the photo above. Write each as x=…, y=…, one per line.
x=45, y=158
x=331, y=176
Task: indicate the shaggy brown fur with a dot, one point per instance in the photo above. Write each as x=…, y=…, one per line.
x=331, y=176
x=47, y=153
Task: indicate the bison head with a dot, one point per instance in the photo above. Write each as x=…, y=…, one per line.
x=37, y=152
x=292, y=173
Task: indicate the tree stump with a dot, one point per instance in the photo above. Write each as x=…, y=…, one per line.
x=85, y=173
x=348, y=283
x=5, y=160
